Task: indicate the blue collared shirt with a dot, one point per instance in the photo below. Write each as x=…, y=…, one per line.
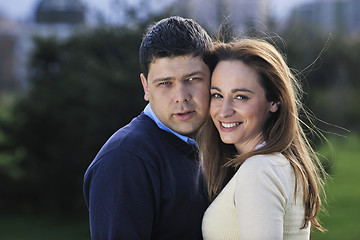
x=150, y=113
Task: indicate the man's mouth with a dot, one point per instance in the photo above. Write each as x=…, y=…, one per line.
x=184, y=115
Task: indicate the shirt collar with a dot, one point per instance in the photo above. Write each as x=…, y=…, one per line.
x=260, y=145
x=150, y=113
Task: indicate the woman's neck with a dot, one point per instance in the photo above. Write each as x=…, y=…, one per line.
x=250, y=145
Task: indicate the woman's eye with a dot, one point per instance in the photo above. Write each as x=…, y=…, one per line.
x=215, y=95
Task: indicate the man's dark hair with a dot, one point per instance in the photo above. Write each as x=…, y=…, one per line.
x=171, y=37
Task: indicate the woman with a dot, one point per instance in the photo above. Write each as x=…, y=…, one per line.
x=255, y=139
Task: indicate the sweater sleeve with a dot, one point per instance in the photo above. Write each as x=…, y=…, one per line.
x=261, y=196
x=120, y=192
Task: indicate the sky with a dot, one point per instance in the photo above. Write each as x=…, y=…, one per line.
x=22, y=9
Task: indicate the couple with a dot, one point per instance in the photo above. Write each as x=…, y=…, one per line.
x=256, y=178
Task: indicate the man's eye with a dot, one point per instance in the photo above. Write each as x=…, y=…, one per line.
x=164, y=83
x=193, y=78
x=241, y=97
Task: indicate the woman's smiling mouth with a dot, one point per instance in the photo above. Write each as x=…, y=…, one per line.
x=229, y=126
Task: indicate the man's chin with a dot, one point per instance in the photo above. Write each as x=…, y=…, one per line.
x=187, y=132
x=188, y=129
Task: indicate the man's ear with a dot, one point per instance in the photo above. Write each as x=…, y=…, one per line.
x=274, y=106
x=145, y=86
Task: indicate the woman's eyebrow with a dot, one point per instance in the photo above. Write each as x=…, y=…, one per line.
x=234, y=90
x=241, y=90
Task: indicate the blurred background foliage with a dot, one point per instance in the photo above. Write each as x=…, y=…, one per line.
x=83, y=88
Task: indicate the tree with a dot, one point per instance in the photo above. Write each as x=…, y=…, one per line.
x=82, y=90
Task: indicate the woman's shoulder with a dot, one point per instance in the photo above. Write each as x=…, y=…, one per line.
x=274, y=164
x=266, y=160
x=266, y=173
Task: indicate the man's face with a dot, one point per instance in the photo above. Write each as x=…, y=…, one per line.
x=178, y=91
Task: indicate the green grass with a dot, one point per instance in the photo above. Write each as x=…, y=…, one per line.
x=342, y=218
x=343, y=192
x=43, y=227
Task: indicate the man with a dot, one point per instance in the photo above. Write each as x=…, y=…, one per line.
x=145, y=183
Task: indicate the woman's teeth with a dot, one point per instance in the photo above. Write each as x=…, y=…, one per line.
x=229, y=125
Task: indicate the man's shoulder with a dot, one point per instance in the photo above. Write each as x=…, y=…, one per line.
x=141, y=137
x=141, y=141
x=129, y=142
x=142, y=130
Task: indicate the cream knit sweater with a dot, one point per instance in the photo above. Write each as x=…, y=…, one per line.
x=258, y=204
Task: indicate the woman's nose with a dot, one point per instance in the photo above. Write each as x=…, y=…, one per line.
x=226, y=109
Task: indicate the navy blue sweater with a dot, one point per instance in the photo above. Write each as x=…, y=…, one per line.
x=145, y=183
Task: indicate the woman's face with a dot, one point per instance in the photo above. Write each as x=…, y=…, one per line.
x=239, y=108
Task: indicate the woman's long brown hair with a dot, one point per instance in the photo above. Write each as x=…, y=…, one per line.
x=282, y=132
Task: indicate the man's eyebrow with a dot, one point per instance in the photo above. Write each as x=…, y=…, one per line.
x=162, y=79
x=194, y=73
x=172, y=78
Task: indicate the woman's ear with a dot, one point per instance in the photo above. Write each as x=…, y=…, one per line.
x=274, y=106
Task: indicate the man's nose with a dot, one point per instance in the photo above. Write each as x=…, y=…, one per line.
x=182, y=93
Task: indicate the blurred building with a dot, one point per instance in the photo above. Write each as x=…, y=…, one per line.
x=60, y=11
x=58, y=18
x=240, y=15
x=9, y=33
x=330, y=16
